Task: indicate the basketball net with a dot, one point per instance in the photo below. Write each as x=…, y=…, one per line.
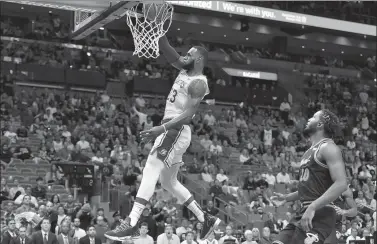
x=149, y=26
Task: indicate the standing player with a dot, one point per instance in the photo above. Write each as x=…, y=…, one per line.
x=340, y=205
x=322, y=179
x=173, y=138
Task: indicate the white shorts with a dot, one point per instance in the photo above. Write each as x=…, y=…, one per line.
x=171, y=145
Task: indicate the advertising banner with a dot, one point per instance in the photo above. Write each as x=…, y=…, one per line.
x=280, y=15
x=251, y=74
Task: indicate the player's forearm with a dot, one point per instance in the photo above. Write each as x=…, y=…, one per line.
x=350, y=212
x=167, y=50
x=335, y=190
x=291, y=197
x=180, y=120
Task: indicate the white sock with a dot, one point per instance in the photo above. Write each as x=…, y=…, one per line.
x=197, y=210
x=136, y=212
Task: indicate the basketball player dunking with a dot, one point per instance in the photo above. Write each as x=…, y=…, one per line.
x=344, y=206
x=172, y=138
x=322, y=179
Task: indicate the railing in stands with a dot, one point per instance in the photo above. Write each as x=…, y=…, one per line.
x=202, y=197
x=241, y=214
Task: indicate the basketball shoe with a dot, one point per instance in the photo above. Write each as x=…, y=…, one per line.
x=123, y=231
x=209, y=225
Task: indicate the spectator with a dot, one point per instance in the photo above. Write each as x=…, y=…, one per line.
x=78, y=232
x=144, y=237
x=17, y=190
x=64, y=236
x=269, y=177
x=271, y=224
x=216, y=191
x=228, y=235
x=44, y=234
x=22, y=237
x=266, y=236
x=283, y=177
x=168, y=237
x=101, y=228
x=210, y=118
x=39, y=191
x=244, y=157
x=206, y=176
x=211, y=209
x=285, y=108
x=353, y=236
x=221, y=177
x=189, y=238
x=268, y=158
x=91, y=236
x=27, y=192
x=8, y=236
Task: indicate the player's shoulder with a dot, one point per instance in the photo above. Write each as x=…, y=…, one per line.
x=330, y=146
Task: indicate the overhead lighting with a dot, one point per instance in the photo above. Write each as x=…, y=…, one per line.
x=247, y=38
x=323, y=49
x=342, y=52
x=101, y=28
x=202, y=32
x=303, y=46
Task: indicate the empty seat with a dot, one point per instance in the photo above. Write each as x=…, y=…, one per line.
x=27, y=171
x=12, y=171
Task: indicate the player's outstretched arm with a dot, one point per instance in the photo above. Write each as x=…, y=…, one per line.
x=196, y=91
x=348, y=197
x=333, y=157
x=290, y=197
x=170, y=54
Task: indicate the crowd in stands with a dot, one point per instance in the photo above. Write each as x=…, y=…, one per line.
x=40, y=126
x=52, y=28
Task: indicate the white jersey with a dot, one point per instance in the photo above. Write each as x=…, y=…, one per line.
x=178, y=96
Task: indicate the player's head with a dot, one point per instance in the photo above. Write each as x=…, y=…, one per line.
x=196, y=58
x=323, y=121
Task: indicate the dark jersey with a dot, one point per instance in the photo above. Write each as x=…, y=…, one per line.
x=314, y=175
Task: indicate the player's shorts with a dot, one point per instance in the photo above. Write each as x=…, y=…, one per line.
x=323, y=224
x=171, y=145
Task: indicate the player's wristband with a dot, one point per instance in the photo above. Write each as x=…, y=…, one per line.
x=164, y=128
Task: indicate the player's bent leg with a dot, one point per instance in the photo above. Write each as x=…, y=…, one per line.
x=323, y=224
x=170, y=183
x=129, y=228
x=286, y=235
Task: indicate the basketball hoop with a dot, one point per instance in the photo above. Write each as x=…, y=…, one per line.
x=148, y=22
